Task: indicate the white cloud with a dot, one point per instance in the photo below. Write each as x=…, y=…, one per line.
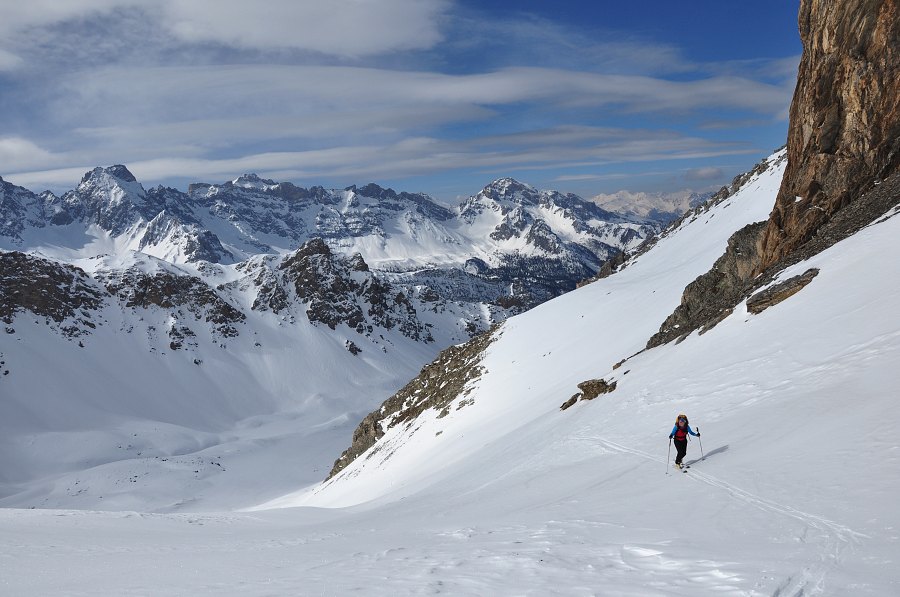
x=16, y=153
x=410, y=156
x=350, y=28
x=319, y=95
x=58, y=179
x=346, y=28
x=703, y=174
x=537, y=41
x=38, y=13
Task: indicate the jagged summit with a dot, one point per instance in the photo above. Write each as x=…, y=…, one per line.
x=373, y=190
x=252, y=181
x=510, y=189
x=118, y=171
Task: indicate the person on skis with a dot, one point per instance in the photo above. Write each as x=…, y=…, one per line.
x=679, y=435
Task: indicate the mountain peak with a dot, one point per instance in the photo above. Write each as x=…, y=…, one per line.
x=509, y=185
x=118, y=171
x=510, y=189
x=373, y=190
x=252, y=180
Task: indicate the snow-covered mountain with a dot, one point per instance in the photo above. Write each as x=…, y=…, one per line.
x=658, y=207
x=575, y=349
x=509, y=243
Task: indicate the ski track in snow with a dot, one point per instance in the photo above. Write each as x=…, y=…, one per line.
x=811, y=578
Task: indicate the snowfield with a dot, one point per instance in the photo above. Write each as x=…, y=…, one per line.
x=509, y=495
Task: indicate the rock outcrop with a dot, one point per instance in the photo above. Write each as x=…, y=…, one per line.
x=590, y=389
x=335, y=290
x=435, y=388
x=59, y=292
x=843, y=157
x=716, y=292
x=187, y=294
x=769, y=297
x=844, y=133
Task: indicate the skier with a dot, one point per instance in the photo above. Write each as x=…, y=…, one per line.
x=679, y=434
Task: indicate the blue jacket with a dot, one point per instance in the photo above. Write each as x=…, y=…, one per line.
x=689, y=430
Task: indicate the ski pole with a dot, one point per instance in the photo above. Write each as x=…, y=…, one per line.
x=669, y=453
x=702, y=457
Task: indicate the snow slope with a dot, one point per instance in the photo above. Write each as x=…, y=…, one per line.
x=126, y=423
x=795, y=404
x=576, y=337
x=511, y=496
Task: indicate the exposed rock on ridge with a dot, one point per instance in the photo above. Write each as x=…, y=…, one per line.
x=343, y=290
x=436, y=387
x=166, y=290
x=59, y=292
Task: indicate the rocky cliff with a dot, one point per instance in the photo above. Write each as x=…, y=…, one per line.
x=843, y=156
x=844, y=134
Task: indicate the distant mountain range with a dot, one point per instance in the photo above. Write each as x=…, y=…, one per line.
x=659, y=207
x=509, y=244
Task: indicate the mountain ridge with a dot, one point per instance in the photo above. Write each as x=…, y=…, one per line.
x=561, y=238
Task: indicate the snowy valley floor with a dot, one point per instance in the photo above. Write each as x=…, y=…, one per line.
x=611, y=522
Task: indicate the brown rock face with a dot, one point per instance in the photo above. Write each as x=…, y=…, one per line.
x=843, y=153
x=761, y=301
x=845, y=117
x=711, y=296
x=592, y=388
x=57, y=291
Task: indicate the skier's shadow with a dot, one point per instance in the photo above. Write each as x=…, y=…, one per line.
x=706, y=455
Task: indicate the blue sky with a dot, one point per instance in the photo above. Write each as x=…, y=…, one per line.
x=439, y=96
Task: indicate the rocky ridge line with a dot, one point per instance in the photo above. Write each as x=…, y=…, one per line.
x=435, y=388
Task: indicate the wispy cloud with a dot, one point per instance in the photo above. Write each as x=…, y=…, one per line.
x=412, y=157
x=189, y=103
x=703, y=174
x=350, y=28
x=353, y=88
x=16, y=152
x=524, y=38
